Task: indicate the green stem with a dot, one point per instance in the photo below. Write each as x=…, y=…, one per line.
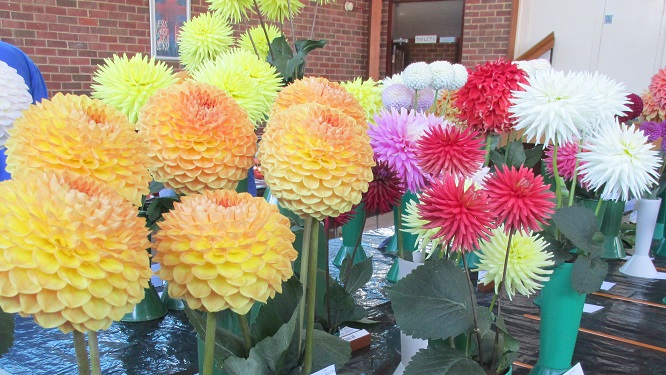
x=209, y=343
x=433, y=107
x=305, y=257
x=596, y=211
x=398, y=234
x=249, y=34
x=573, y=180
x=245, y=330
x=328, y=281
x=81, y=353
x=291, y=24
x=311, y=296
x=558, y=182
x=492, y=303
x=476, y=319
x=314, y=20
x=501, y=289
x=415, y=105
x=93, y=345
x=263, y=26
x=489, y=141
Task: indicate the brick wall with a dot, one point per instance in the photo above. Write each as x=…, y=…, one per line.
x=431, y=52
x=67, y=39
x=485, y=31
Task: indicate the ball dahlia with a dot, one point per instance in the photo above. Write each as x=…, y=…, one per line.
x=252, y=82
x=527, y=265
x=14, y=99
x=417, y=76
x=460, y=76
x=256, y=35
x=519, y=199
x=126, y=84
x=368, y=93
x=442, y=75
x=322, y=91
x=84, y=136
x=635, y=108
x=397, y=96
x=651, y=110
x=652, y=130
x=450, y=150
x=232, y=10
x=658, y=87
x=224, y=250
x=425, y=99
x=385, y=190
x=316, y=160
x=202, y=38
x=198, y=138
x=484, y=100
x=74, y=252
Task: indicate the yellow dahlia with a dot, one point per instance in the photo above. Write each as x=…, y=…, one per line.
x=221, y=250
x=368, y=93
x=322, y=91
x=256, y=35
x=73, y=252
x=198, y=138
x=202, y=38
x=252, y=82
x=126, y=84
x=316, y=160
x=84, y=136
x=279, y=10
x=232, y=10
x=414, y=224
x=528, y=261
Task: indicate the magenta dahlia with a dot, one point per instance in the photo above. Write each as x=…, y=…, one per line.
x=567, y=154
x=520, y=199
x=385, y=189
x=340, y=220
x=652, y=130
x=460, y=214
x=635, y=108
x=450, y=150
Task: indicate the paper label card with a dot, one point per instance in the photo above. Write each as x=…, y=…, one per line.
x=576, y=370
x=330, y=370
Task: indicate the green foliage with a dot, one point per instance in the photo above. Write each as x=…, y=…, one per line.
x=514, y=154
x=588, y=274
x=343, y=308
x=278, y=310
x=354, y=276
x=291, y=66
x=578, y=225
x=6, y=331
x=442, y=360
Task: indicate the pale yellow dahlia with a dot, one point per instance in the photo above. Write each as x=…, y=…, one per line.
x=84, y=136
x=414, y=224
x=279, y=10
x=322, y=91
x=126, y=84
x=198, y=138
x=368, y=93
x=528, y=261
x=232, y=10
x=316, y=160
x=256, y=35
x=252, y=82
x=73, y=252
x=202, y=38
x=224, y=250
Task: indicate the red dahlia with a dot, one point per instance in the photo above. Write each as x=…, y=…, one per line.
x=340, y=220
x=450, y=150
x=384, y=191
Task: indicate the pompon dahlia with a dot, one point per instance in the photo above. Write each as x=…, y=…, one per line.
x=14, y=99
x=621, y=160
x=321, y=91
x=450, y=150
x=394, y=139
x=528, y=262
x=368, y=93
x=84, y=136
x=554, y=107
x=425, y=99
x=651, y=110
x=224, y=250
x=567, y=155
x=202, y=38
x=338, y=221
x=417, y=76
x=396, y=78
x=532, y=67
x=484, y=100
x=658, y=87
x=198, y=138
x=442, y=75
x=398, y=96
x=252, y=82
x=652, y=130
x=460, y=76
x=459, y=210
x=635, y=108
x=385, y=190
x=256, y=35
x=413, y=224
x=74, y=252
x=316, y=160
x=519, y=199
x=126, y=84
x=232, y=10
x=279, y=10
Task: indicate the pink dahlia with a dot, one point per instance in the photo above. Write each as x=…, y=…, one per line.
x=450, y=150
x=567, y=154
x=460, y=214
x=520, y=199
x=394, y=138
x=385, y=189
x=635, y=108
x=651, y=109
x=658, y=88
x=484, y=100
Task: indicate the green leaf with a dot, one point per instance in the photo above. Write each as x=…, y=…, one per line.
x=508, y=345
x=6, y=331
x=227, y=344
x=496, y=158
x=433, y=293
x=515, y=154
x=359, y=274
x=280, y=352
x=242, y=366
x=533, y=155
x=588, y=274
x=442, y=360
x=329, y=350
x=305, y=46
x=278, y=310
x=578, y=224
x=343, y=306
x=158, y=207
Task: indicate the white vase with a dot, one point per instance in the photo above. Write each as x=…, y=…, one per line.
x=409, y=345
x=640, y=264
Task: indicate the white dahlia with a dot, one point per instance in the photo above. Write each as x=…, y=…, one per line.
x=442, y=75
x=396, y=78
x=610, y=97
x=460, y=75
x=14, y=99
x=417, y=76
x=397, y=96
x=621, y=160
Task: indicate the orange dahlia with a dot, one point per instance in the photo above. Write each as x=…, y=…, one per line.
x=198, y=136
x=222, y=249
x=316, y=160
x=74, y=252
x=651, y=110
x=84, y=136
x=322, y=91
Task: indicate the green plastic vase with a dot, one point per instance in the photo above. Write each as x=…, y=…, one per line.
x=174, y=304
x=659, y=237
x=350, y=234
x=408, y=240
x=150, y=308
x=610, y=228
x=561, y=311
